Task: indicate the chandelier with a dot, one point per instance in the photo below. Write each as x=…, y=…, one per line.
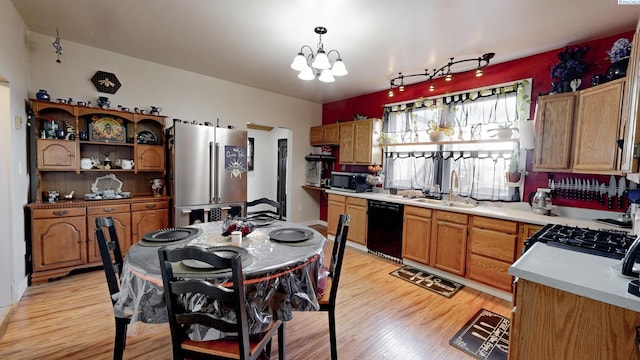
x=445, y=71
x=317, y=64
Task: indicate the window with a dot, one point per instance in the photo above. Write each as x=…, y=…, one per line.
x=468, y=119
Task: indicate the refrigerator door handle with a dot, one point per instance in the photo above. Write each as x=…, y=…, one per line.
x=187, y=211
x=213, y=163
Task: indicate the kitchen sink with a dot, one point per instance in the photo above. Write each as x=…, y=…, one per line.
x=457, y=204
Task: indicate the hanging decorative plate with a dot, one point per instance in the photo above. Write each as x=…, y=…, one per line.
x=107, y=129
x=147, y=137
x=106, y=82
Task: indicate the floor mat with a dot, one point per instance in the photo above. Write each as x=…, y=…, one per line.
x=427, y=281
x=485, y=336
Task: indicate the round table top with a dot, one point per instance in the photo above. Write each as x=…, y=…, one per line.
x=266, y=255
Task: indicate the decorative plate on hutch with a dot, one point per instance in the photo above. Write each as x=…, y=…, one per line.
x=107, y=129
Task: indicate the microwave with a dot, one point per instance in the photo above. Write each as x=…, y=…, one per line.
x=351, y=182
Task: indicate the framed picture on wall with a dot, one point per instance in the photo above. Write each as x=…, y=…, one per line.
x=250, y=154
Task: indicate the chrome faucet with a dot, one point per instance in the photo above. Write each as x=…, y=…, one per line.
x=453, y=186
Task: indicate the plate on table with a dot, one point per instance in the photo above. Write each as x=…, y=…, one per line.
x=290, y=235
x=222, y=251
x=171, y=234
x=260, y=221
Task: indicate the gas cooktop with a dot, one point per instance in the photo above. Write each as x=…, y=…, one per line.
x=608, y=243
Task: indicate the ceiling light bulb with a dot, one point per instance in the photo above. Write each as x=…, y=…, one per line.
x=479, y=72
x=431, y=87
x=338, y=68
x=448, y=77
x=321, y=61
x=401, y=88
x=390, y=92
x=306, y=74
x=299, y=62
x=326, y=76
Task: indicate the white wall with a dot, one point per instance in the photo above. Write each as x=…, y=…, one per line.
x=14, y=180
x=27, y=63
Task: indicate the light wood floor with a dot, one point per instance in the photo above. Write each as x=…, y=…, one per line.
x=379, y=317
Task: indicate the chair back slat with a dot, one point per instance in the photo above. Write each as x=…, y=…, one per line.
x=277, y=212
x=175, y=288
x=110, y=253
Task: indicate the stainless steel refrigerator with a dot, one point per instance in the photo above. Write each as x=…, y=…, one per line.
x=207, y=172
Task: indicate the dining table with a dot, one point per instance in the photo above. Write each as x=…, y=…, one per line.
x=282, y=265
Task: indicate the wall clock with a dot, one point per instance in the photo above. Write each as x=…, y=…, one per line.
x=106, y=82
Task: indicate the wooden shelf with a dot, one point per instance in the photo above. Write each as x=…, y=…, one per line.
x=315, y=188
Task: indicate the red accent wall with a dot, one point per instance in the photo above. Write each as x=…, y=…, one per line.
x=537, y=67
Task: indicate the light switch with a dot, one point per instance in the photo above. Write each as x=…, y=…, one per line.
x=18, y=122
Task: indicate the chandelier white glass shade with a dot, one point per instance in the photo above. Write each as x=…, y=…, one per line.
x=318, y=64
x=445, y=71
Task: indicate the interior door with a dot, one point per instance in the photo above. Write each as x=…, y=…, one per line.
x=282, y=175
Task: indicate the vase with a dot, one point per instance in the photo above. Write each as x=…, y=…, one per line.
x=618, y=69
x=566, y=86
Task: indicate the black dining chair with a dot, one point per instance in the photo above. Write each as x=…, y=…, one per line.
x=328, y=300
x=112, y=262
x=230, y=295
x=274, y=209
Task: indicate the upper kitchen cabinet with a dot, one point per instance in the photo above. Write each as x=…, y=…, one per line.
x=598, y=128
x=584, y=124
x=358, y=143
x=325, y=135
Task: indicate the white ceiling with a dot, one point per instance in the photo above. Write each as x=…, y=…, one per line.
x=253, y=42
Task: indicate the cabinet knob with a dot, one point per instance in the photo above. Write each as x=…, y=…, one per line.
x=109, y=209
x=150, y=206
x=60, y=212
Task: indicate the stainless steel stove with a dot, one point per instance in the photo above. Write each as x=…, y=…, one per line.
x=608, y=243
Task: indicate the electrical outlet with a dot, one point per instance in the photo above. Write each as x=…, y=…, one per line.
x=18, y=122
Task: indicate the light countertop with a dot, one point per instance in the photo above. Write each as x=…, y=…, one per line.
x=516, y=211
x=582, y=274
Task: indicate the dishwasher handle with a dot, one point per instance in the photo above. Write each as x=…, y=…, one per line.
x=385, y=205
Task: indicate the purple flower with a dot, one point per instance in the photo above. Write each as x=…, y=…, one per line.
x=571, y=65
x=620, y=50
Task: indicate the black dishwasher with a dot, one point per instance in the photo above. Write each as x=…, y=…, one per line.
x=384, y=230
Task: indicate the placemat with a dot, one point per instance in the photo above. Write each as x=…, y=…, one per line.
x=485, y=336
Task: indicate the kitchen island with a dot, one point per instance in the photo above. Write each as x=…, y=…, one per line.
x=571, y=305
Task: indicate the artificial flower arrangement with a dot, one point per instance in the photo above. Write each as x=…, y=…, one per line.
x=571, y=65
x=620, y=50
x=447, y=129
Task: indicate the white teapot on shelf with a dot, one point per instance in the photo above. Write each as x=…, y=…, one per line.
x=127, y=164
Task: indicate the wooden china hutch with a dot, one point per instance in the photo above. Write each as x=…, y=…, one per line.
x=61, y=232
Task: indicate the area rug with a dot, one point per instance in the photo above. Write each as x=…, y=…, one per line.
x=427, y=281
x=485, y=336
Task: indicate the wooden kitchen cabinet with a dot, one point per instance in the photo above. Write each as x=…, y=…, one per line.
x=347, y=143
x=325, y=135
x=150, y=158
x=448, y=249
x=147, y=217
x=577, y=131
x=63, y=233
x=554, y=132
x=335, y=207
x=416, y=234
x=358, y=142
x=121, y=215
x=56, y=154
x=548, y=323
x=525, y=232
x=598, y=128
x=492, y=247
x=356, y=208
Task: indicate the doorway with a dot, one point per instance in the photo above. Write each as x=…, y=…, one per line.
x=282, y=175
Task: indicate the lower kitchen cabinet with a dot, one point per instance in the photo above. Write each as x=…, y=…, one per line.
x=492, y=246
x=63, y=234
x=526, y=231
x=357, y=210
x=416, y=234
x=448, y=249
x=548, y=323
x=335, y=207
x=148, y=217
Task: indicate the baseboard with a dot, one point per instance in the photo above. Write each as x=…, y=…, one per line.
x=314, y=222
x=6, y=317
